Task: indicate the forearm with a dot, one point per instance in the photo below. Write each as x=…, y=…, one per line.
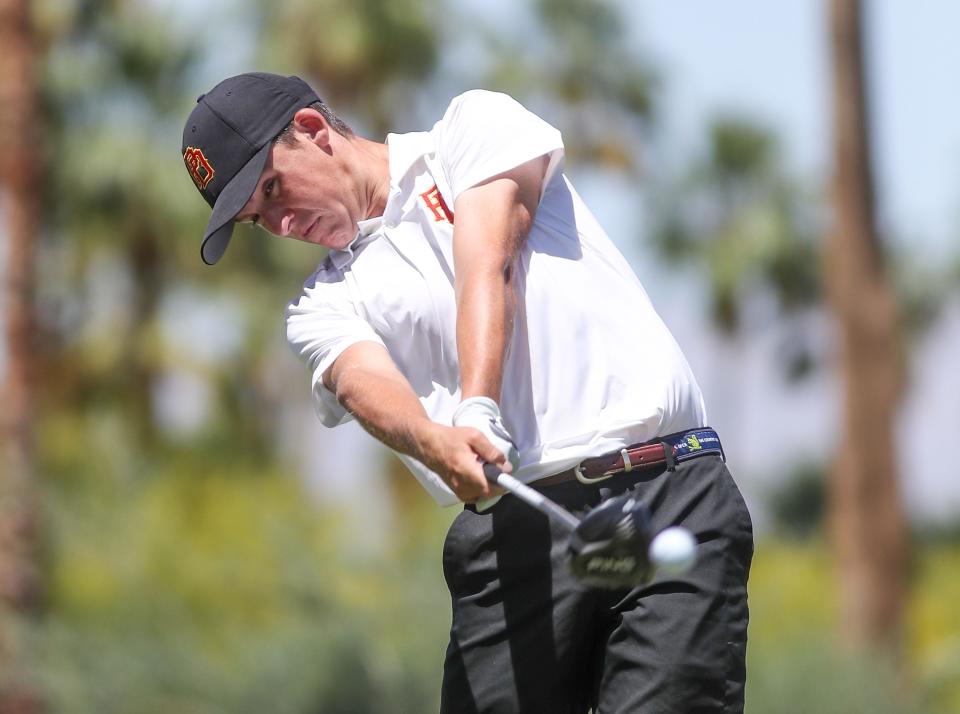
x=387, y=408
x=485, y=314
x=368, y=384
x=493, y=220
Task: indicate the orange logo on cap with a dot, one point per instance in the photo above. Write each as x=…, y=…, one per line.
x=199, y=168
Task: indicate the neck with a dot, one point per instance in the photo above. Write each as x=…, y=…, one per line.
x=375, y=159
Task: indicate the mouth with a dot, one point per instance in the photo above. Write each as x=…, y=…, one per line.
x=309, y=232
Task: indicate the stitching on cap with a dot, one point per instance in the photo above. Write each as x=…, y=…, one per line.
x=234, y=129
x=237, y=131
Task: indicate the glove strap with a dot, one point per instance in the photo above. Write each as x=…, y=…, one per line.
x=484, y=405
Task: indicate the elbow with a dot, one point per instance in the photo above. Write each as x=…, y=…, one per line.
x=349, y=385
x=337, y=382
x=344, y=389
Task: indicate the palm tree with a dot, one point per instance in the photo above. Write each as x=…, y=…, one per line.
x=868, y=525
x=752, y=228
x=20, y=173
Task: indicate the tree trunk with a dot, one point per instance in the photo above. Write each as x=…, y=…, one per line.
x=868, y=525
x=20, y=174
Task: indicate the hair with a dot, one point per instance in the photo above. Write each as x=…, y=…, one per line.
x=287, y=138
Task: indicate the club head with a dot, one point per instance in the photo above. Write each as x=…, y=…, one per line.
x=610, y=546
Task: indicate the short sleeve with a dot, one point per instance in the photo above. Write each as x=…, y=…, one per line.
x=486, y=133
x=321, y=324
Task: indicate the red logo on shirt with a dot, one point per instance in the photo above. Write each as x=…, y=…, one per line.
x=435, y=203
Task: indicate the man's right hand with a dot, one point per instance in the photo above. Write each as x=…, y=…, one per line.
x=457, y=454
x=483, y=414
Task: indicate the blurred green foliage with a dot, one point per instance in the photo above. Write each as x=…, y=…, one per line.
x=574, y=61
x=795, y=666
x=225, y=589
x=373, y=61
x=738, y=214
x=798, y=504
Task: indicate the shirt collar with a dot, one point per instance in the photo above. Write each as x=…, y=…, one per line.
x=367, y=230
x=405, y=150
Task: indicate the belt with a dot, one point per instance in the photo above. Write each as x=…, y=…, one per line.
x=671, y=450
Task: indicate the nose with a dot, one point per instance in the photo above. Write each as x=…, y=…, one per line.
x=278, y=220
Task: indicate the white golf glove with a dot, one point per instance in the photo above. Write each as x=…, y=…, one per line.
x=482, y=413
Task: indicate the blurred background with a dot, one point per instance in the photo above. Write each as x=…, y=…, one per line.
x=178, y=533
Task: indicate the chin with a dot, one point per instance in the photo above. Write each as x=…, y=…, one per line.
x=339, y=242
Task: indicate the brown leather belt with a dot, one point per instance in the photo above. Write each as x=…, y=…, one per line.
x=638, y=456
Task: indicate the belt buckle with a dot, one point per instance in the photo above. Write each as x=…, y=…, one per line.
x=587, y=481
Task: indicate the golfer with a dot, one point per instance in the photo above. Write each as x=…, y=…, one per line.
x=470, y=310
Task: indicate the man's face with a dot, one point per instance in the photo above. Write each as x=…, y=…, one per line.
x=304, y=193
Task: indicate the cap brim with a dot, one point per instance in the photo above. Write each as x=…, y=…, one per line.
x=232, y=198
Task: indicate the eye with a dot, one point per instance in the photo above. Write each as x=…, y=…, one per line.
x=268, y=187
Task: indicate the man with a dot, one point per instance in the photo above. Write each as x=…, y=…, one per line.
x=470, y=310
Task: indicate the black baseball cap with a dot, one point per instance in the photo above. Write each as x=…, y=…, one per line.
x=226, y=142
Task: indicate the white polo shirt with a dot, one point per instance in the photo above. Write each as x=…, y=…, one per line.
x=591, y=367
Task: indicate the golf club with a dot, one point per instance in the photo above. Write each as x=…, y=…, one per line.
x=612, y=546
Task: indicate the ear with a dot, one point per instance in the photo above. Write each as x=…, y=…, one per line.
x=313, y=126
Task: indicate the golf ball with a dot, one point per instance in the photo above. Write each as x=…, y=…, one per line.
x=673, y=551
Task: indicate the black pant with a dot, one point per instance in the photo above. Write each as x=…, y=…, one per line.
x=528, y=638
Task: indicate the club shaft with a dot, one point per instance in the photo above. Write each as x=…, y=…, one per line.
x=533, y=498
